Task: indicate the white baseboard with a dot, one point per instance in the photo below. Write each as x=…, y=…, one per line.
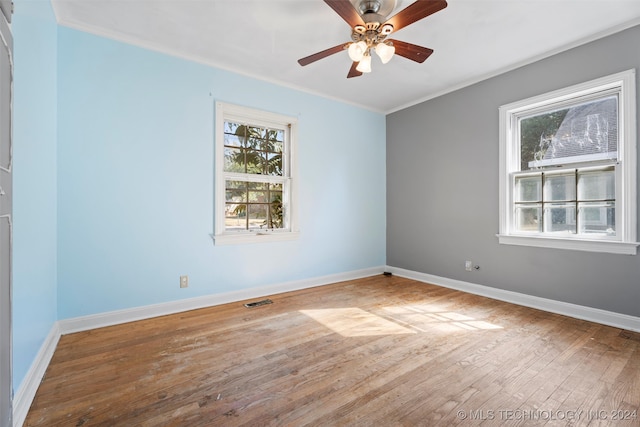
x=596, y=315
x=110, y=318
x=27, y=390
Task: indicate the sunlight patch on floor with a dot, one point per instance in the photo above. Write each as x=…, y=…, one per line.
x=424, y=318
x=355, y=322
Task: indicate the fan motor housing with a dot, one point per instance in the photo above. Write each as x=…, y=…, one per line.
x=380, y=7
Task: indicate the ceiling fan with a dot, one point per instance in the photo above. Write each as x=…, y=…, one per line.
x=370, y=29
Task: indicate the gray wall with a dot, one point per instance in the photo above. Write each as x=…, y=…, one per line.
x=442, y=187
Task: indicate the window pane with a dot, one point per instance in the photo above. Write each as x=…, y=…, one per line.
x=234, y=160
x=597, y=218
x=273, y=139
x=528, y=218
x=273, y=163
x=560, y=218
x=272, y=146
x=232, y=140
x=560, y=187
x=276, y=210
x=236, y=191
x=584, y=132
x=597, y=185
x=528, y=188
x=255, y=163
x=235, y=216
x=278, y=135
x=257, y=192
x=231, y=128
x=255, y=135
x=257, y=196
x=536, y=134
x=276, y=217
x=236, y=134
x=258, y=216
x=275, y=192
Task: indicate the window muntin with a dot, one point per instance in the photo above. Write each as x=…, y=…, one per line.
x=566, y=202
x=568, y=168
x=253, y=205
x=254, y=175
x=253, y=149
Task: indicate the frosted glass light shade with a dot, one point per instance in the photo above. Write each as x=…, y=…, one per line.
x=365, y=64
x=357, y=50
x=385, y=52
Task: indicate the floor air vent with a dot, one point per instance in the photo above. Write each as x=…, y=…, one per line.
x=258, y=303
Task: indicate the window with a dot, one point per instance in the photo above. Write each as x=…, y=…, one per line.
x=568, y=168
x=254, y=178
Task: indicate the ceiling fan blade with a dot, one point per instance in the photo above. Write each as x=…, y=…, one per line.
x=415, y=12
x=411, y=51
x=345, y=9
x=353, y=72
x=323, y=54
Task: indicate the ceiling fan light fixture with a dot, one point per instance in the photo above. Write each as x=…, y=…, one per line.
x=369, y=6
x=386, y=29
x=360, y=29
x=370, y=28
x=364, y=66
x=357, y=50
x=385, y=52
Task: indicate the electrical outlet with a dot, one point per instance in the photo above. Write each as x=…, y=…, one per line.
x=184, y=281
x=468, y=265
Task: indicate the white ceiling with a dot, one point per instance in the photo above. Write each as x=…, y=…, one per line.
x=472, y=39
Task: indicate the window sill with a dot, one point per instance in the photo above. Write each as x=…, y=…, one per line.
x=247, y=238
x=606, y=246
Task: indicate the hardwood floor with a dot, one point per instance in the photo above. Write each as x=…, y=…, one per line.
x=377, y=351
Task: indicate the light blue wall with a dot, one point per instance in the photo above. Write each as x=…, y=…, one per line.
x=113, y=181
x=34, y=208
x=135, y=181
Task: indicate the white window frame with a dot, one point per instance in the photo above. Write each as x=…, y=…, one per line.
x=626, y=183
x=252, y=117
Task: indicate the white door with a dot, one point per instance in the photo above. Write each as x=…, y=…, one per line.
x=6, y=69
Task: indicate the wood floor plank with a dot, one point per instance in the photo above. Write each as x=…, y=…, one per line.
x=375, y=351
